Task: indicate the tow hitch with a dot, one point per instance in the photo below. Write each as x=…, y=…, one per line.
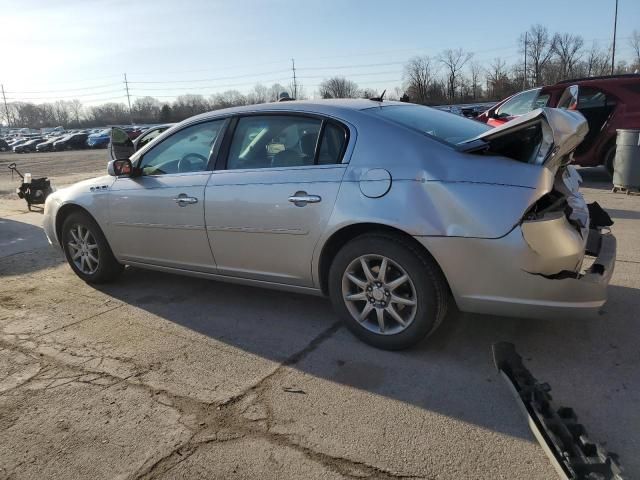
x=564, y=440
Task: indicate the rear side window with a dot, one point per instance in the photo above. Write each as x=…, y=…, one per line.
x=332, y=144
x=445, y=126
x=269, y=141
x=593, y=98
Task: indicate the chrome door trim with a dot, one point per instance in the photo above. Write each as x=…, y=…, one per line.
x=160, y=225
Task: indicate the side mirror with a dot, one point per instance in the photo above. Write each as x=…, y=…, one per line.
x=120, y=168
x=121, y=146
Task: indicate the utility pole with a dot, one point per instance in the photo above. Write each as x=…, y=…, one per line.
x=6, y=108
x=126, y=86
x=526, y=42
x=295, y=84
x=613, y=49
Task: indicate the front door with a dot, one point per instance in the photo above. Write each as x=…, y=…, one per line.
x=157, y=216
x=266, y=210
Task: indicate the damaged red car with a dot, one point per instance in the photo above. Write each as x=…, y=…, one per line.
x=608, y=103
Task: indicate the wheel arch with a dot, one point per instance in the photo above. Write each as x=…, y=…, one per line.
x=64, y=211
x=347, y=233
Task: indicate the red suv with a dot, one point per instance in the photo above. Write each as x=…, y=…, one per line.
x=608, y=103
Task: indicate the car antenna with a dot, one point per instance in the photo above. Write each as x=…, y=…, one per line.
x=380, y=98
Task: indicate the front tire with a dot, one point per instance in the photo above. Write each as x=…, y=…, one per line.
x=390, y=294
x=87, y=250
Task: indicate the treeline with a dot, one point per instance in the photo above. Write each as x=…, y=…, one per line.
x=453, y=76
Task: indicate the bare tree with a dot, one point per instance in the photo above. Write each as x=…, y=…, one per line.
x=596, y=61
x=76, y=110
x=369, y=93
x=188, y=105
x=62, y=112
x=475, y=70
x=259, y=94
x=338, y=87
x=419, y=76
x=567, y=47
x=498, y=83
x=275, y=91
x=229, y=98
x=539, y=50
x=453, y=60
x=145, y=110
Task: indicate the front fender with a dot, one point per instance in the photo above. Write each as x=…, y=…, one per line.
x=90, y=195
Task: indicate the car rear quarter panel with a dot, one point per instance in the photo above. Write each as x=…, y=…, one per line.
x=435, y=190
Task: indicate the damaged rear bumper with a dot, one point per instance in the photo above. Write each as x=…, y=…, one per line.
x=564, y=440
x=495, y=276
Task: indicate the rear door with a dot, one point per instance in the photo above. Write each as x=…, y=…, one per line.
x=597, y=107
x=268, y=204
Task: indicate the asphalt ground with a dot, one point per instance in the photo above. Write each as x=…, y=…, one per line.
x=162, y=376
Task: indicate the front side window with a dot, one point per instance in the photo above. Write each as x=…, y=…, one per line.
x=519, y=105
x=274, y=141
x=185, y=151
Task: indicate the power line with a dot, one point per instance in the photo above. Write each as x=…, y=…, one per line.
x=339, y=67
x=207, y=87
x=213, y=79
x=64, y=90
x=65, y=96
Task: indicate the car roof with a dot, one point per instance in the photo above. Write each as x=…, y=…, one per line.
x=330, y=107
x=601, y=79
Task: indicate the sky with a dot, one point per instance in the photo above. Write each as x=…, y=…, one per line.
x=81, y=49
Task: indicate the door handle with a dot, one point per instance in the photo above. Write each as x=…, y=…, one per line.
x=183, y=200
x=300, y=199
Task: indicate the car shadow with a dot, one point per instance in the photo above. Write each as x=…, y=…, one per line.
x=24, y=248
x=623, y=214
x=452, y=373
x=595, y=177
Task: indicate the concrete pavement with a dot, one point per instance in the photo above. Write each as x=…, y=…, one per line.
x=173, y=377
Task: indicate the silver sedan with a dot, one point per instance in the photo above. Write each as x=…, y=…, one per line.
x=395, y=211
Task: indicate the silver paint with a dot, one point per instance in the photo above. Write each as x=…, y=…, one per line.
x=465, y=209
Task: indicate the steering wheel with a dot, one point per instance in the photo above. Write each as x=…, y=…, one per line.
x=185, y=164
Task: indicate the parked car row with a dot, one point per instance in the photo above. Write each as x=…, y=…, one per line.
x=76, y=140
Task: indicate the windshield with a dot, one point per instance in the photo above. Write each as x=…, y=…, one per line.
x=445, y=126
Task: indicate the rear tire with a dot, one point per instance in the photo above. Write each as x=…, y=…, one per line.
x=609, y=158
x=397, y=309
x=87, y=250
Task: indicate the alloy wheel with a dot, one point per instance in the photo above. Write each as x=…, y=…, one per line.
x=379, y=294
x=83, y=249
